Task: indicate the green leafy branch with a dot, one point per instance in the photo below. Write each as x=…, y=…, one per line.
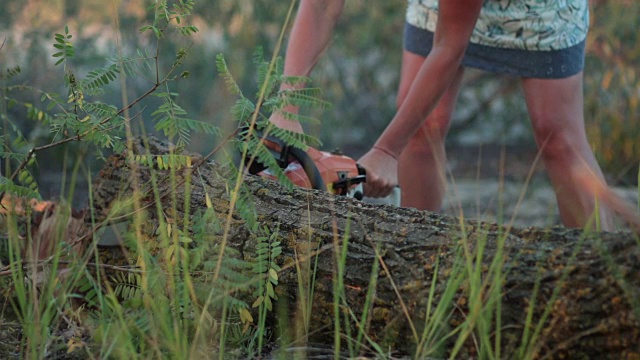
x=29, y=190
x=165, y=15
x=244, y=110
x=170, y=120
x=267, y=250
x=63, y=43
x=9, y=72
x=100, y=123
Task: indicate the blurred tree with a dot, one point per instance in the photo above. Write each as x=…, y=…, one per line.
x=612, y=89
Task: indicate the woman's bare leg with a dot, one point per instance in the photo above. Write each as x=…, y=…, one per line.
x=557, y=115
x=422, y=165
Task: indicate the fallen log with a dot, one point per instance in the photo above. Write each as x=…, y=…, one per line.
x=583, y=288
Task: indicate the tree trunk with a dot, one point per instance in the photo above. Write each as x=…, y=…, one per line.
x=584, y=288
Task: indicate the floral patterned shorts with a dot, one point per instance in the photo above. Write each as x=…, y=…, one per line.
x=527, y=38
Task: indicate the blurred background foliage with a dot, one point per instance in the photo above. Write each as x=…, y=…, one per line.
x=358, y=74
x=612, y=87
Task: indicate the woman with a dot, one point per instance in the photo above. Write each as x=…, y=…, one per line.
x=542, y=41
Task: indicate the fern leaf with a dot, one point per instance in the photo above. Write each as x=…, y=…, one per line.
x=169, y=121
x=6, y=153
x=300, y=118
x=295, y=139
x=200, y=126
x=242, y=109
x=223, y=71
x=101, y=77
x=125, y=286
x=263, y=73
x=246, y=207
x=307, y=97
x=295, y=81
x=260, y=153
x=33, y=113
x=29, y=192
x=101, y=110
x=135, y=66
x=10, y=72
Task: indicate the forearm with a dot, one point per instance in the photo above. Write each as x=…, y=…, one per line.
x=456, y=20
x=310, y=35
x=431, y=82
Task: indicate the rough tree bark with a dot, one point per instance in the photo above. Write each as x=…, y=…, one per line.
x=594, y=314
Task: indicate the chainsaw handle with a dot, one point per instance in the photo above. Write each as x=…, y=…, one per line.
x=309, y=167
x=348, y=182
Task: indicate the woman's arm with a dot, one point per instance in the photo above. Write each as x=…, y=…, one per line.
x=456, y=20
x=310, y=36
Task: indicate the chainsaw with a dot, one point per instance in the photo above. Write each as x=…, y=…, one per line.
x=332, y=172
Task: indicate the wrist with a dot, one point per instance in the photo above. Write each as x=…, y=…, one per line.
x=385, y=151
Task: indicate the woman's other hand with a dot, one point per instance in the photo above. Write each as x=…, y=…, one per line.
x=382, y=172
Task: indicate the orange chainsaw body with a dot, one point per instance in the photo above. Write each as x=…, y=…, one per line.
x=336, y=170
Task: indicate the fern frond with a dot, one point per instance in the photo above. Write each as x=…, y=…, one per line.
x=223, y=71
x=19, y=142
x=112, y=139
x=261, y=154
x=205, y=224
x=100, y=110
x=61, y=122
x=246, y=208
x=238, y=264
x=295, y=139
x=9, y=73
x=262, y=67
x=262, y=72
x=200, y=127
x=267, y=250
x=100, y=77
x=126, y=286
x=63, y=43
x=233, y=276
x=300, y=118
x=242, y=110
x=6, y=153
x=169, y=120
x=233, y=280
x=258, y=56
x=307, y=97
x=172, y=127
x=142, y=65
x=89, y=290
x=34, y=113
x=295, y=81
x=29, y=191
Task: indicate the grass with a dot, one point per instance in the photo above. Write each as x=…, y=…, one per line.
x=177, y=310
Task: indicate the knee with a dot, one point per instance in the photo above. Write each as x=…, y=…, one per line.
x=417, y=147
x=428, y=139
x=556, y=143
